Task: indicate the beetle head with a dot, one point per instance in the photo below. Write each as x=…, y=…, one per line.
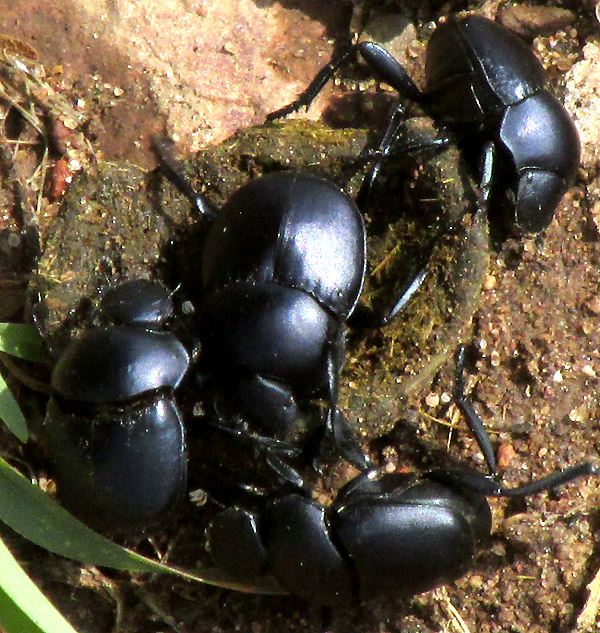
x=538, y=195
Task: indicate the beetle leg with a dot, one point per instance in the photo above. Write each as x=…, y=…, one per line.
x=368, y=317
x=377, y=58
x=473, y=419
x=274, y=451
x=174, y=172
x=487, y=484
x=337, y=431
x=261, y=443
x=308, y=95
x=396, y=119
x=285, y=472
x=549, y=482
x=415, y=281
x=489, y=487
x=392, y=144
x=400, y=145
x=487, y=165
x=390, y=70
x=339, y=434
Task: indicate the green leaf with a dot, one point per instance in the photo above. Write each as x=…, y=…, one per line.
x=23, y=607
x=22, y=341
x=37, y=517
x=11, y=414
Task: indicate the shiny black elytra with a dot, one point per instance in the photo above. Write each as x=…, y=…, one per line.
x=385, y=534
x=485, y=83
x=113, y=434
x=283, y=267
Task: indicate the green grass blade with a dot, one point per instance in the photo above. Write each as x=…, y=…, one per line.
x=23, y=607
x=22, y=341
x=11, y=414
x=37, y=517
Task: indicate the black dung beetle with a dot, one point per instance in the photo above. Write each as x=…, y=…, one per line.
x=486, y=84
x=282, y=268
x=384, y=535
x=112, y=433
